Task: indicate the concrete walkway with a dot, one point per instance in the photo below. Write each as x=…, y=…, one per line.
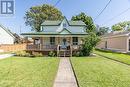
x=3, y=56
x=65, y=76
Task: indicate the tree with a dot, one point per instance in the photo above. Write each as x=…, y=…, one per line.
x=121, y=26
x=89, y=43
x=102, y=30
x=36, y=15
x=87, y=20
x=116, y=27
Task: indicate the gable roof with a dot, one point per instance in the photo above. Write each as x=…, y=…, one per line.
x=58, y=22
x=65, y=31
x=8, y=31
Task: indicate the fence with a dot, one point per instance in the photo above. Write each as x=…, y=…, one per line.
x=14, y=47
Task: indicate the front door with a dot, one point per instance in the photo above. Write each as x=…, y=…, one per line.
x=64, y=43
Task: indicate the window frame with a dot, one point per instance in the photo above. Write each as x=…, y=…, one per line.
x=75, y=40
x=52, y=40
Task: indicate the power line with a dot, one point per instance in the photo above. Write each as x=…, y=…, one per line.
x=57, y=3
x=116, y=16
x=103, y=10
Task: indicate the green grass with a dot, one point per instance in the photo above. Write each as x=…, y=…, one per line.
x=125, y=58
x=101, y=72
x=28, y=72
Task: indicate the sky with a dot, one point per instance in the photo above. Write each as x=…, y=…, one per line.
x=70, y=8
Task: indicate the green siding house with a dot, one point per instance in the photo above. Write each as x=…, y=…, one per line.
x=64, y=37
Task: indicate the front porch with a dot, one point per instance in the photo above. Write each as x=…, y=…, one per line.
x=45, y=49
x=63, y=46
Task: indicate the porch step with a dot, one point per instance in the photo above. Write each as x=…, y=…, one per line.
x=64, y=53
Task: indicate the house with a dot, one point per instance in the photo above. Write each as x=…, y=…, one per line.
x=116, y=41
x=7, y=37
x=63, y=37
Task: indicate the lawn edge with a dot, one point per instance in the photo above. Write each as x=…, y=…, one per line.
x=112, y=59
x=77, y=82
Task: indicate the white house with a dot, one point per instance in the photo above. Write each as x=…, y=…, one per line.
x=6, y=36
x=63, y=37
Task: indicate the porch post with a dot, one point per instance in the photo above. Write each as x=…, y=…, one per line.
x=71, y=48
x=58, y=46
x=41, y=43
x=26, y=41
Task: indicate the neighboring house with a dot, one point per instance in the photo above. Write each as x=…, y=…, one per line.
x=116, y=41
x=7, y=37
x=63, y=37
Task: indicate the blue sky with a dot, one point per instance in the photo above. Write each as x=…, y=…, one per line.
x=70, y=8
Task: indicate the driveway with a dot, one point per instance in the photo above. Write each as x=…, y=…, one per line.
x=3, y=56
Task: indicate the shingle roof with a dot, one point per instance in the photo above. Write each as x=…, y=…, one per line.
x=51, y=23
x=71, y=23
x=76, y=23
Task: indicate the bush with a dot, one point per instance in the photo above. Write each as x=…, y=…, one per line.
x=38, y=55
x=22, y=54
x=77, y=54
x=52, y=54
x=89, y=43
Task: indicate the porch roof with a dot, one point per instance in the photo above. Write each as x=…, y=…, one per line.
x=53, y=34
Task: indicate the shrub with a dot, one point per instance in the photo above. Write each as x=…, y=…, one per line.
x=22, y=54
x=52, y=54
x=89, y=43
x=77, y=54
x=38, y=55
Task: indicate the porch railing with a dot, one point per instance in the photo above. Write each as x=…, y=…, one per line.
x=41, y=47
x=49, y=47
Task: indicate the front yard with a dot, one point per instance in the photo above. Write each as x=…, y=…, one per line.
x=90, y=71
x=115, y=56
x=101, y=72
x=28, y=72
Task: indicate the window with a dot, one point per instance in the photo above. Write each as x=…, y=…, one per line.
x=106, y=44
x=64, y=25
x=52, y=40
x=37, y=41
x=75, y=40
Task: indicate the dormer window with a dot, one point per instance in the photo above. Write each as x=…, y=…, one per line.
x=64, y=25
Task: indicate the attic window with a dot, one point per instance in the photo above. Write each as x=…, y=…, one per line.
x=64, y=25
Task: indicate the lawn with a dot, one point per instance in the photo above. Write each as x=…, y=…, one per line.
x=101, y=72
x=28, y=72
x=116, y=56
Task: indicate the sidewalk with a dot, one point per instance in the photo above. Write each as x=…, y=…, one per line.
x=65, y=76
x=3, y=56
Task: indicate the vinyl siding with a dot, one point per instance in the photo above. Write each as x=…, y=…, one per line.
x=5, y=38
